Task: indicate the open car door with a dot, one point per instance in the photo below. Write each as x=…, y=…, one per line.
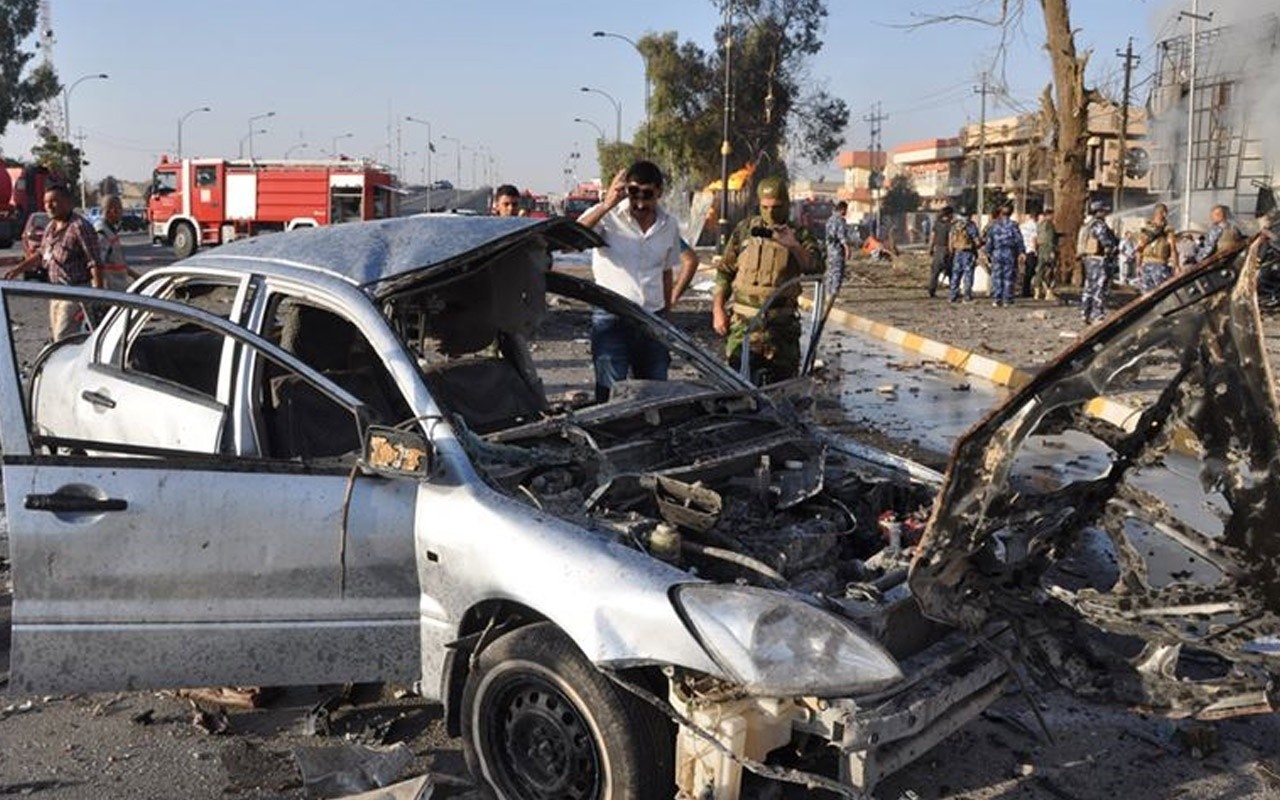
x=184, y=557
x=1123, y=509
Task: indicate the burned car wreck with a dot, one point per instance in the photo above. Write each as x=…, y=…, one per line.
x=678, y=590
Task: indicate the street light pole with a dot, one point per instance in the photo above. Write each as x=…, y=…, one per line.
x=183, y=119
x=430, y=149
x=298, y=146
x=725, y=147
x=617, y=110
x=249, y=137
x=457, y=149
x=599, y=129
x=251, y=130
x=648, y=130
x=333, y=143
x=66, y=102
x=1196, y=17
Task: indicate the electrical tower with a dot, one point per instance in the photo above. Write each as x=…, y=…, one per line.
x=51, y=121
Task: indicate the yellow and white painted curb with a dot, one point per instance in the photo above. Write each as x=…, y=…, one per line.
x=999, y=373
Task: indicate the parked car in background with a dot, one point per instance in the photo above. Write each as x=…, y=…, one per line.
x=33, y=232
x=612, y=599
x=133, y=220
x=32, y=235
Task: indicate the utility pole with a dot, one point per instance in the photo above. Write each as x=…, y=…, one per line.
x=1130, y=60
x=983, y=90
x=1195, y=16
x=876, y=186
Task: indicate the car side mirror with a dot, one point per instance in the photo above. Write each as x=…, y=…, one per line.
x=397, y=453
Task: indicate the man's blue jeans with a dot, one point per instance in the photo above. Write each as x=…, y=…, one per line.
x=622, y=349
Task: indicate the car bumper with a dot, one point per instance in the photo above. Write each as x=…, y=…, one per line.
x=945, y=686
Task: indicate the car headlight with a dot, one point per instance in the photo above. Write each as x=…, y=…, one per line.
x=779, y=646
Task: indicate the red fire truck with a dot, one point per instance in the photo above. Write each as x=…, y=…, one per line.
x=204, y=201
x=21, y=192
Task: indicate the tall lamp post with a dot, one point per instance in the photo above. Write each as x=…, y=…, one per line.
x=599, y=130
x=648, y=132
x=183, y=119
x=431, y=148
x=725, y=147
x=251, y=130
x=66, y=119
x=617, y=111
x=249, y=137
x=66, y=102
x=457, y=150
x=298, y=146
x=333, y=143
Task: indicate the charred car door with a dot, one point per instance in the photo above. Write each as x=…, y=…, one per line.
x=181, y=558
x=1121, y=510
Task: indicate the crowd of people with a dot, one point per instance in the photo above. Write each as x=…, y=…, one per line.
x=1023, y=258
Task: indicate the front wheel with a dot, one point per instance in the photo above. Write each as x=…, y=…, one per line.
x=184, y=240
x=540, y=722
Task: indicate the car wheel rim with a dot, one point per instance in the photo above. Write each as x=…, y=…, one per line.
x=539, y=744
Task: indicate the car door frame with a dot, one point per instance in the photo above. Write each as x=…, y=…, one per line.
x=116, y=656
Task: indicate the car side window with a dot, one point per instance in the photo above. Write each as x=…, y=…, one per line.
x=298, y=421
x=169, y=348
x=168, y=395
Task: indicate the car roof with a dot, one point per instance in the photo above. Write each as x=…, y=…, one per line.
x=383, y=256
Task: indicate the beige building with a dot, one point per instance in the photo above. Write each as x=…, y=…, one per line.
x=858, y=166
x=1017, y=162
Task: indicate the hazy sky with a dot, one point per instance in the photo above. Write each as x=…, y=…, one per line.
x=504, y=76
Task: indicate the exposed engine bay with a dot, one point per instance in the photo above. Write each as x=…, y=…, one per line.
x=716, y=486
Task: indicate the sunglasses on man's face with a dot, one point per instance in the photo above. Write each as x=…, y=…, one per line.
x=640, y=192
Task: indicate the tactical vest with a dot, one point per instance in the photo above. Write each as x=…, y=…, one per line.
x=1231, y=237
x=961, y=237
x=1092, y=247
x=1157, y=246
x=762, y=267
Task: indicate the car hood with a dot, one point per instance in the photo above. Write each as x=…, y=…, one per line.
x=388, y=256
x=1132, y=486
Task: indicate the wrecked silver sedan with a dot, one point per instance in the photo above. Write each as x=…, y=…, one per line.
x=372, y=453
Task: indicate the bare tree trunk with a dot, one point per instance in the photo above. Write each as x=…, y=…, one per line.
x=1069, y=119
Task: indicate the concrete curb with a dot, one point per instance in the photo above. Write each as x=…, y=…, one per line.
x=966, y=361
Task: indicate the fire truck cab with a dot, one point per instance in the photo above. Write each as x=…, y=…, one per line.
x=204, y=202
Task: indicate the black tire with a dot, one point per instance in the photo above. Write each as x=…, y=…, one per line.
x=184, y=240
x=532, y=692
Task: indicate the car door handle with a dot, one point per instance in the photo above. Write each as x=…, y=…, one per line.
x=73, y=503
x=97, y=398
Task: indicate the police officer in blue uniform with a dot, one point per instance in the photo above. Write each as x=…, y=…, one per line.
x=1099, y=244
x=1005, y=249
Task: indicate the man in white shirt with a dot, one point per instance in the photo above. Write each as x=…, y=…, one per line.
x=1029, y=227
x=642, y=247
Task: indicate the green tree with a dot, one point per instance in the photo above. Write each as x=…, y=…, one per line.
x=773, y=109
x=60, y=157
x=901, y=196
x=22, y=91
x=614, y=156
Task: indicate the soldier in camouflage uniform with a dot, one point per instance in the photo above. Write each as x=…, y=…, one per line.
x=1005, y=248
x=764, y=252
x=1223, y=234
x=1156, y=248
x=963, y=244
x=1099, y=244
x=1046, y=256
